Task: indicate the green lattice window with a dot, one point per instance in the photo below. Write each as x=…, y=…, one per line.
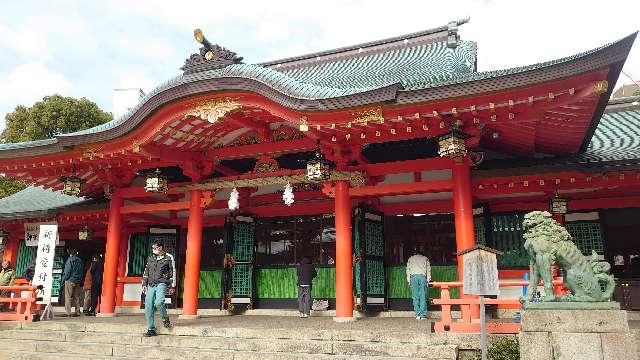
x=243, y=234
x=139, y=251
x=242, y=280
x=587, y=236
x=375, y=277
x=26, y=254
x=506, y=236
x=375, y=238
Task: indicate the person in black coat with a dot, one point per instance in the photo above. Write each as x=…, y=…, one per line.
x=96, y=283
x=306, y=274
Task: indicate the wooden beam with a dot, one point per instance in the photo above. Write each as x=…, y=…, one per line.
x=604, y=203
x=270, y=148
x=403, y=188
x=132, y=209
x=418, y=207
x=407, y=166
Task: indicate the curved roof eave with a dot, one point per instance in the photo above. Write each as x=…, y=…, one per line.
x=309, y=97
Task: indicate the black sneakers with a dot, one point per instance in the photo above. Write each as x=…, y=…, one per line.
x=167, y=323
x=150, y=333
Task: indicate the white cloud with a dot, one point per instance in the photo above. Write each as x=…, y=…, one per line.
x=27, y=83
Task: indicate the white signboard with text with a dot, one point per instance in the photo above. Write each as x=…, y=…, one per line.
x=480, y=273
x=47, y=239
x=31, y=233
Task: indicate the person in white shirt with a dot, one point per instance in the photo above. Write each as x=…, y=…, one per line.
x=418, y=276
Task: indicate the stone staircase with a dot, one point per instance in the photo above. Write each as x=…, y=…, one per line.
x=284, y=339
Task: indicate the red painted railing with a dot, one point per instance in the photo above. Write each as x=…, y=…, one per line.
x=18, y=308
x=466, y=325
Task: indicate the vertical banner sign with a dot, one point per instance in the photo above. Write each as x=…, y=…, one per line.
x=31, y=233
x=47, y=238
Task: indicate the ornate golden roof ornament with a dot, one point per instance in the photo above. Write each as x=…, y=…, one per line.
x=213, y=110
x=600, y=87
x=135, y=146
x=90, y=153
x=365, y=116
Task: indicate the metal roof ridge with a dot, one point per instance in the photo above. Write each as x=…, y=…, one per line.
x=624, y=100
x=363, y=45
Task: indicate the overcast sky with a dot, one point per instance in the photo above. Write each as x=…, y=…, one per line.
x=88, y=48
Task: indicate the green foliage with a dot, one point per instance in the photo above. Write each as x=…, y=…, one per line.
x=9, y=186
x=506, y=348
x=52, y=116
x=637, y=93
x=46, y=118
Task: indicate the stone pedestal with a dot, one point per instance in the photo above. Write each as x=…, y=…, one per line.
x=585, y=332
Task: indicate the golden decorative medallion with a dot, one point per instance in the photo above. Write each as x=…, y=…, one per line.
x=213, y=110
x=600, y=87
x=90, y=153
x=365, y=116
x=135, y=146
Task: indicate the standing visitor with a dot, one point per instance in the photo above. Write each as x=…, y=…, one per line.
x=72, y=280
x=306, y=274
x=97, y=269
x=86, y=286
x=7, y=278
x=418, y=275
x=159, y=274
x=30, y=272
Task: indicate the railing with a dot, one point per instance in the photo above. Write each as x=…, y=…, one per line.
x=466, y=324
x=23, y=306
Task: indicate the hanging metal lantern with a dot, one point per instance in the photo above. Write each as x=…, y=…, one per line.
x=156, y=182
x=558, y=205
x=318, y=168
x=4, y=236
x=452, y=145
x=85, y=234
x=72, y=185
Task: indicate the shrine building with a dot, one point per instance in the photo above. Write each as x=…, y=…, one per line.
x=352, y=156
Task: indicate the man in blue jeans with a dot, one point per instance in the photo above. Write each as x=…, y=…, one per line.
x=418, y=276
x=159, y=274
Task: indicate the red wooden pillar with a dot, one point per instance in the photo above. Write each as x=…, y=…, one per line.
x=463, y=213
x=114, y=229
x=559, y=218
x=122, y=268
x=11, y=247
x=192, y=265
x=344, y=253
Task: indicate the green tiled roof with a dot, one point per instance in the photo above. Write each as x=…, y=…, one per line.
x=35, y=201
x=406, y=66
x=617, y=137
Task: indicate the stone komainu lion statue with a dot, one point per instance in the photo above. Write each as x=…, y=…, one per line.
x=548, y=243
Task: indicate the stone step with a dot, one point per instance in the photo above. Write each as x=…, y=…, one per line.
x=30, y=349
x=128, y=334
x=27, y=355
x=128, y=345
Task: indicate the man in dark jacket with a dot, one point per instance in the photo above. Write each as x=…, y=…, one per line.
x=159, y=274
x=72, y=280
x=97, y=269
x=306, y=274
